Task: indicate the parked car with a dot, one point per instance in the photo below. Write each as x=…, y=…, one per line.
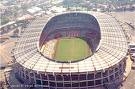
x=132, y=50
x=132, y=46
x=133, y=66
x=133, y=57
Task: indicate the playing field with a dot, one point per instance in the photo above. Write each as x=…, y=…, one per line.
x=71, y=49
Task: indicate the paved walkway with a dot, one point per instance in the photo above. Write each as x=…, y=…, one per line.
x=130, y=81
x=128, y=67
x=5, y=51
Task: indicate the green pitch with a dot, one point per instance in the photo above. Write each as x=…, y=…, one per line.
x=71, y=49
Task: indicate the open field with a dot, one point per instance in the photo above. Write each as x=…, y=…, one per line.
x=71, y=49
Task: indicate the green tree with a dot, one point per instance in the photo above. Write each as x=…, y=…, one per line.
x=72, y=2
x=4, y=20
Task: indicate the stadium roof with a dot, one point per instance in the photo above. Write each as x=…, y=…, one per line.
x=113, y=48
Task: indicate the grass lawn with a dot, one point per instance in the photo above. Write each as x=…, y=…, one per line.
x=71, y=49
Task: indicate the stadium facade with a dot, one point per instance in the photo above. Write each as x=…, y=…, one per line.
x=102, y=32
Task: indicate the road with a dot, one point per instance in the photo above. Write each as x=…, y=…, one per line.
x=126, y=17
x=5, y=51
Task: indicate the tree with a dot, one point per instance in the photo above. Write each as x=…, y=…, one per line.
x=72, y=2
x=4, y=20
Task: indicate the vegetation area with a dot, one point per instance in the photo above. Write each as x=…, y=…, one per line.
x=79, y=2
x=71, y=49
x=4, y=20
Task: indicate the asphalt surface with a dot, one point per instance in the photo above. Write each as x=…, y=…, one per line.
x=130, y=81
x=5, y=52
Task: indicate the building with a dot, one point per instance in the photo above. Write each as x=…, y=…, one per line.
x=105, y=66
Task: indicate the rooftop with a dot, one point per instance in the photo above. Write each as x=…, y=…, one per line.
x=113, y=48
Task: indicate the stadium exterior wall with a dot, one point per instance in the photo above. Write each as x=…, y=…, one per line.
x=33, y=69
x=81, y=80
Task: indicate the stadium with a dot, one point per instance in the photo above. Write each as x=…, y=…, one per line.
x=74, y=50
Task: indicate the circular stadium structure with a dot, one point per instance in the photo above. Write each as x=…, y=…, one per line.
x=35, y=51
